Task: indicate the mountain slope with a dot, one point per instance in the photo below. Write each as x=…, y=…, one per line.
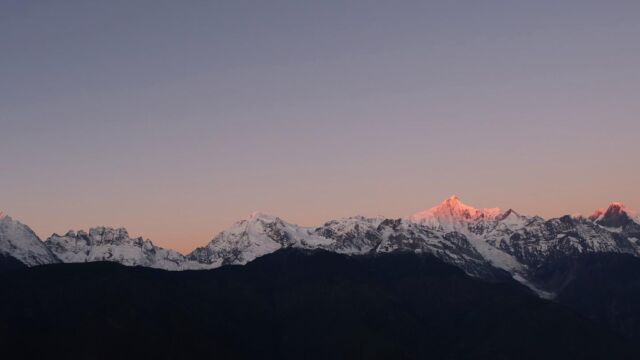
x=21, y=243
x=377, y=236
x=291, y=304
x=108, y=244
x=262, y=234
x=259, y=235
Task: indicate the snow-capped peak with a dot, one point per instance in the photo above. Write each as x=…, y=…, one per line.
x=615, y=215
x=256, y=222
x=258, y=215
x=613, y=208
x=509, y=214
x=19, y=241
x=512, y=219
x=259, y=235
x=452, y=212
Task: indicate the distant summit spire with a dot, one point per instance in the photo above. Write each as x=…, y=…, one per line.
x=452, y=211
x=615, y=215
x=453, y=200
x=258, y=215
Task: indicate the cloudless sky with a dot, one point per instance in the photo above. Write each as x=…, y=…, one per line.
x=177, y=118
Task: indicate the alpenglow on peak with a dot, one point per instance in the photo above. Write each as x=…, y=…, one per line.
x=454, y=209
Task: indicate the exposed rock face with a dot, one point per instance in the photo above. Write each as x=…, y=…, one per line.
x=108, y=244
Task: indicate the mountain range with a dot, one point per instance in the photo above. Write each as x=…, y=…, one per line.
x=490, y=244
x=450, y=282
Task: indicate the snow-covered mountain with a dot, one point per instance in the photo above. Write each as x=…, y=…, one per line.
x=20, y=242
x=452, y=215
x=259, y=235
x=108, y=244
x=262, y=234
x=480, y=241
x=616, y=216
x=487, y=243
x=521, y=244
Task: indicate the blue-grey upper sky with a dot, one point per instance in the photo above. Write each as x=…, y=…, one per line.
x=176, y=118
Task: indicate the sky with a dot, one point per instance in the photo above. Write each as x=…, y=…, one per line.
x=175, y=119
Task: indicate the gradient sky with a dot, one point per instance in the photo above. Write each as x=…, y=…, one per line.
x=177, y=118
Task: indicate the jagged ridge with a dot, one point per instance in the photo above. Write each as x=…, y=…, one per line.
x=486, y=243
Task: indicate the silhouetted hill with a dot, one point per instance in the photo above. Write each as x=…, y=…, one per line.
x=8, y=263
x=605, y=288
x=291, y=305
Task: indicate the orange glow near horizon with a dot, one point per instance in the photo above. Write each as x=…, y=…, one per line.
x=176, y=123
x=194, y=232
